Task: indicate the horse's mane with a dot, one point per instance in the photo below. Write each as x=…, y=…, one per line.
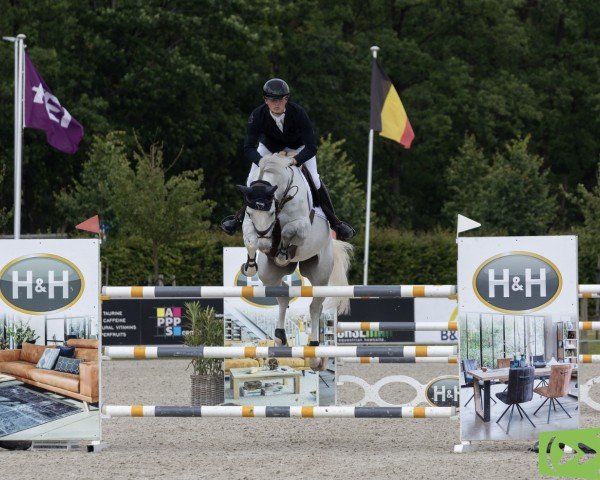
x=276, y=165
x=273, y=164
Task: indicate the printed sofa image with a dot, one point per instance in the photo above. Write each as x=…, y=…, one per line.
x=22, y=364
x=301, y=364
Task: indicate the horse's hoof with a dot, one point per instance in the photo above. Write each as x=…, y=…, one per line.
x=317, y=364
x=281, y=261
x=250, y=271
x=280, y=337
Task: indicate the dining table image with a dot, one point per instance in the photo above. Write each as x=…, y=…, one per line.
x=483, y=394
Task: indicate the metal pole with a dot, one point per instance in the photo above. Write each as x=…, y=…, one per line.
x=374, y=50
x=18, y=140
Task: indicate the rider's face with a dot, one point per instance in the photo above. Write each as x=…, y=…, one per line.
x=276, y=105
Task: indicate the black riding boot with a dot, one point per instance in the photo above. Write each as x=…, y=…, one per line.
x=231, y=223
x=343, y=230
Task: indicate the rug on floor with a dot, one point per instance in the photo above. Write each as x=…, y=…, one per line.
x=22, y=408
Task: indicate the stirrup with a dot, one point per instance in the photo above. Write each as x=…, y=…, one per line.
x=230, y=224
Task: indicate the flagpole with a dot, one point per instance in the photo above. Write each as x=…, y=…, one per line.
x=374, y=50
x=18, y=126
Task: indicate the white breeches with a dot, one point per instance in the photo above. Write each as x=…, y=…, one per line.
x=311, y=164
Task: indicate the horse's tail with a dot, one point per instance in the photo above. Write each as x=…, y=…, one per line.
x=342, y=254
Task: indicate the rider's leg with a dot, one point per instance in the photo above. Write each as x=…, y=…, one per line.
x=231, y=223
x=343, y=230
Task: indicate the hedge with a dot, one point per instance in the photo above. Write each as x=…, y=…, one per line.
x=396, y=257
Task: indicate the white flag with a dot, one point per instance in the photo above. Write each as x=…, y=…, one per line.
x=465, y=224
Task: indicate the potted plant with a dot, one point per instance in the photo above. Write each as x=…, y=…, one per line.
x=20, y=332
x=204, y=328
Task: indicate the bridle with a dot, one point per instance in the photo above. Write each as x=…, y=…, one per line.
x=279, y=204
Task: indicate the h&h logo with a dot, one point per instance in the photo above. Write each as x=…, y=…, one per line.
x=40, y=284
x=517, y=282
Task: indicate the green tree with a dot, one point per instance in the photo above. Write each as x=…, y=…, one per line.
x=188, y=73
x=509, y=196
x=161, y=211
x=337, y=172
x=588, y=202
x=93, y=194
x=464, y=178
x=5, y=215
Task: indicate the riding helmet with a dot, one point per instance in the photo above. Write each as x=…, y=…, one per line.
x=276, y=88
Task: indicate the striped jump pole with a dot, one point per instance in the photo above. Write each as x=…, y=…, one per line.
x=589, y=291
x=583, y=326
x=351, y=291
x=422, y=327
x=277, y=412
x=371, y=360
x=396, y=326
x=589, y=358
x=145, y=352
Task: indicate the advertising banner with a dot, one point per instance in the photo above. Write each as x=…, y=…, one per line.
x=435, y=310
x=378, y=310
x=518, y=324
x=409, y=310
x=252, y=322
x=149, y=322
x=49, y=353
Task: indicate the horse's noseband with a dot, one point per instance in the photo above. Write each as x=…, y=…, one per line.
x=260, y=200
x=263, y=233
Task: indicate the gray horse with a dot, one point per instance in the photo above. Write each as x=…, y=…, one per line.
x=279, y=223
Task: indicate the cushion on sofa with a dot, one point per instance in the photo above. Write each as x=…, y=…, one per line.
x=67, y=365
x=32, y=353
x=17, y=368
x=85, y=348
x=62, y=380
x=68, y=352
x=48, y=359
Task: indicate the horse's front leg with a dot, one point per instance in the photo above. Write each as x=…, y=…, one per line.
x=280, y=335
x=296, y=231
x=250, y=268
x=316, y=308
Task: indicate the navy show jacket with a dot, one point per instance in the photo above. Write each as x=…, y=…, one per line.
x=297, y=131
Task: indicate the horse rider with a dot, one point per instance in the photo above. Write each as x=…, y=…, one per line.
x=277, y=125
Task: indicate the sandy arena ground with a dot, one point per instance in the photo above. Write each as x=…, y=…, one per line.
x=234, y=448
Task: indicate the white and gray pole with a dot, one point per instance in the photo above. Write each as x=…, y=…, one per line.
x=19, y=42
x=374, y=50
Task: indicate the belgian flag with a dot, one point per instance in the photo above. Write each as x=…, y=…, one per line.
x=387, y=112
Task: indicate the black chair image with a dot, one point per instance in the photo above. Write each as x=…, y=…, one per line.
x=543, y=380
x=520, y=390
x=469, y=365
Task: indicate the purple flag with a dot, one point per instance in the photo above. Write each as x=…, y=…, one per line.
x=43, y=111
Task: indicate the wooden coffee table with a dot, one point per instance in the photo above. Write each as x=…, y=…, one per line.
x=238, y=375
